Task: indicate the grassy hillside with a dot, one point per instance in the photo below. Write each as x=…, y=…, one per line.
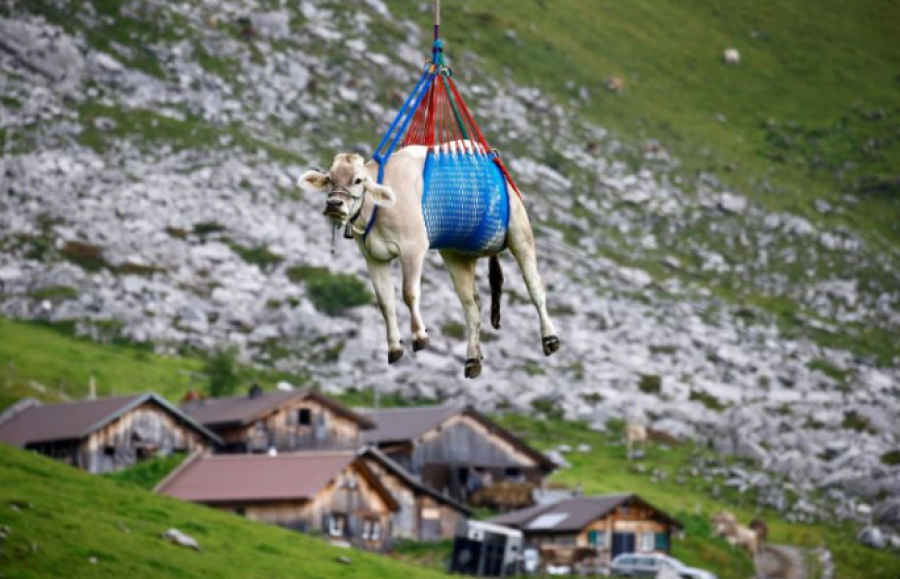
x=49, y=363
x=61, y=519
x=813, y=110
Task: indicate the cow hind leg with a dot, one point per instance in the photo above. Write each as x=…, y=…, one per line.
x=383, y=283
x=411, y=265
x=462, y=272
x=520, y=240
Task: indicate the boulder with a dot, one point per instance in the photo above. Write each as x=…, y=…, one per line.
x=181, y=539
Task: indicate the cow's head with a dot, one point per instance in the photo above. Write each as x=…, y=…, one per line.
x=347, y=184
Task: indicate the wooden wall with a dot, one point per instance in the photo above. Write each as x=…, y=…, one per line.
x=421, y=517
x=281, y=429
x=462, y=439
x=350, y=494
x=144, y=432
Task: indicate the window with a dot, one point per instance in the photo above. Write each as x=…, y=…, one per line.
x=597, y=539
x=336, y=524
x=240, y=511
x=513, y=472
x=662, y=542
x=304, y=417
x=371, y=530
x=648, y=541
x=109, y=451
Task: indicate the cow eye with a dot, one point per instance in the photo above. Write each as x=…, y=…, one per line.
x=358, y=181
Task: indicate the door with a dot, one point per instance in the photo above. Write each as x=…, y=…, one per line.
x=623, y=543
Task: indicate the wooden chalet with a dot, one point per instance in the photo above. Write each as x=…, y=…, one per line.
x=106, y=434
x=425, y=514
x=593, y=529
x=332, y=493
x=284, y=421
x=455, y=449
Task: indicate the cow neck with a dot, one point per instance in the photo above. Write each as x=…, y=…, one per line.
x=361, y=216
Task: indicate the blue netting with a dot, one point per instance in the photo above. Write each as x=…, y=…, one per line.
x=465, y=202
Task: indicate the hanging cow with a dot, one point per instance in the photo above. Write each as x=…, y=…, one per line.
x=400, y=231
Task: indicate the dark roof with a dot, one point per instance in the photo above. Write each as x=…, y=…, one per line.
x=242, y=478
x=389, y=464
x=403, y=425
x=571, y=515
x=77, y=420
x=244, y=410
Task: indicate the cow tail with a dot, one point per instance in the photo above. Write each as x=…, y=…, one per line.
x=495, y=275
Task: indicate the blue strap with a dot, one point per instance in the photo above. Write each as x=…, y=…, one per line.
x=407, y=113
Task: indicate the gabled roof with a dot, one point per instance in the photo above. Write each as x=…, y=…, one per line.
x=572, y=515
x=405, y=425
x=245, y=410
x=77, y=420
x=247, y=478
x=373, y=453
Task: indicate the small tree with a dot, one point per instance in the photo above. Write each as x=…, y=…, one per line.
x=221, y=372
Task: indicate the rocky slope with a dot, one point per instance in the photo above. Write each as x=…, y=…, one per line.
x=148, y=191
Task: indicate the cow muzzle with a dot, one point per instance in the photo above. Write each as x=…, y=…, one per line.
x=336, y=209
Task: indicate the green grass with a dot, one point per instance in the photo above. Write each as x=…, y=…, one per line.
x=606, y=470
x=332, y=293
x=70, y=517
x=47, y=362
x=149, y=473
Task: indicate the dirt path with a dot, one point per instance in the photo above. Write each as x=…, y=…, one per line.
x=781, y=562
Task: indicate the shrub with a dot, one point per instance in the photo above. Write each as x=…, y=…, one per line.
x=650, y=384
x=221, y=373
x=331, y=293
x=88, y=257
x=259, y=256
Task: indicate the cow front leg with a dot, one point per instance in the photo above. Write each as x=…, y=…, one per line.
x=462, y=272
x=383, y=283
x=520, y=240
x=411, y=264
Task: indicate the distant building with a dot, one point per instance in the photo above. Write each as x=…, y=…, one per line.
x=286, y=421
x=455, y=449
x=106, y=434
x=597, y=527
x=425, y=514
x=333, y=493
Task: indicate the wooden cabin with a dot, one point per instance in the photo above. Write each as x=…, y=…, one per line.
x=456, y=449
x=332, y=493
x=284, y=421
x=425, y=514
x=106, y=434
x=597, y=527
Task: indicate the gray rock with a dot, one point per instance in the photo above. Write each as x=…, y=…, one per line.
x=181, y=539
x=872, y=536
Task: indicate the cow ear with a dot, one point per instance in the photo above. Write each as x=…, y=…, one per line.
x=381, y=195
x=313, y=182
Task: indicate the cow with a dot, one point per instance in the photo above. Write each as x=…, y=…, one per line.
x=761, y=529
x=726, y=525
x=634, y=434
x=399, y=232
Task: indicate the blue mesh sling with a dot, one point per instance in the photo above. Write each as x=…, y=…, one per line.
x=465, y=200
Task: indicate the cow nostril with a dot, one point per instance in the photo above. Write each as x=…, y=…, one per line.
x=334, y=202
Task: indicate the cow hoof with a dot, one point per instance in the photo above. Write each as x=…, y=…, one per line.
x=394, y=355
x=551, y=345
x=473, y=368
x=420, y=344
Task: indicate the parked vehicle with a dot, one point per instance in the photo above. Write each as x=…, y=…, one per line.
x=649, y=565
